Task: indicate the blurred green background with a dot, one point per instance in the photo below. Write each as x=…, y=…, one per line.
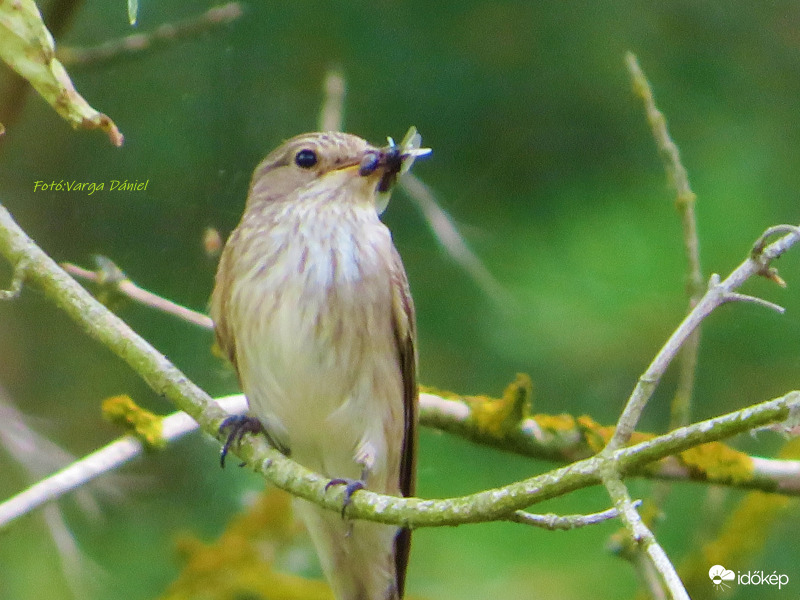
x=543, y=157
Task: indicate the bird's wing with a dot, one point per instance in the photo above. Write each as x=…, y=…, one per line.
x=405, y=335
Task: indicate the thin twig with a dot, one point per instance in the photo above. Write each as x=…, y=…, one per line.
x=110, y=276
x=451, y=239
x=685, y=202
x=331, y=115
x=98, y=322
x=37, y=455
x=678, y=176
x=649, y=576
x=716, y=295
x=138, y=42
x=555, y=522
x=644, y=542
x=736, y=297
x=759, y=250
x=100, y=462
x=760, y=244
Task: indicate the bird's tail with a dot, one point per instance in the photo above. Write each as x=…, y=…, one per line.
x=358, y=557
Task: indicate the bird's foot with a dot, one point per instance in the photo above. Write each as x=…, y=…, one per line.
x=238, y=426
x=351, y=487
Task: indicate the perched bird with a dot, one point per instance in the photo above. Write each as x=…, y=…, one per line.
x=312, y=306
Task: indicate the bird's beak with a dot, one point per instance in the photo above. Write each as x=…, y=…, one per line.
x=386, y=164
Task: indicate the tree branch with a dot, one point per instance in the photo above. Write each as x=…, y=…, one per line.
x=110, y=277
x=449, y=415
x=553, y=522
x=717, y=294
x=685, y=202
x=165, y=33
x=102, y=461
x=446, y=233
x=560, y=438
x=34, y=266
x=331, y=114
x=499, y=503
x=644, y=542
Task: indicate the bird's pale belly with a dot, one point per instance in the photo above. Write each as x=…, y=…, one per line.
x=324, y=388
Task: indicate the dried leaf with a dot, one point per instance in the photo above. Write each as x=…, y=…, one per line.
x=28, y=48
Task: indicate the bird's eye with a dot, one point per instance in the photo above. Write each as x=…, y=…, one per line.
x=305, y=158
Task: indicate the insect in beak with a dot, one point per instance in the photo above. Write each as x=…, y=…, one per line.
x=395, y=160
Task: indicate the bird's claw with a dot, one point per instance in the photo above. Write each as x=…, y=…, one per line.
x=351, y=487
x=238, y=425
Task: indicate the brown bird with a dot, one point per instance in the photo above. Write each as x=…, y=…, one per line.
x=312, y=306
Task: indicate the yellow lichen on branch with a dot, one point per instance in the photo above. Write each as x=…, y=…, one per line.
x=597, y=436
x=123, y=411
x=506, y=423
x=27, y=47
x=718, y=462
x=712, y=461
x=499, y=417
x=556, y=423
x=742, y=536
